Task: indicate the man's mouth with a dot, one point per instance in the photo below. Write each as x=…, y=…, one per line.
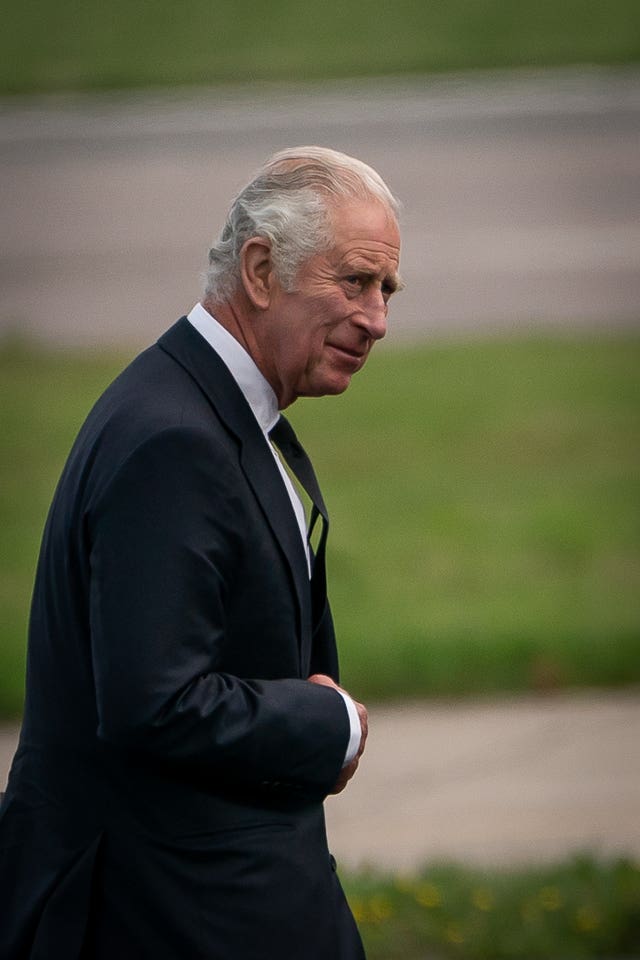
x=351, y=353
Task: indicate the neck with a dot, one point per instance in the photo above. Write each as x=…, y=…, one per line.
x=237, y=318
x=236, y=321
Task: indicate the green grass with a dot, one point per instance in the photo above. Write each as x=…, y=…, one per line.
x=582, y=908
x=44, y=397
x=91, y=45
x=484, y=500
x=486, y=530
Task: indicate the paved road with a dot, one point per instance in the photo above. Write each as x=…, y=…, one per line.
x=501, y=782
x=522, y=197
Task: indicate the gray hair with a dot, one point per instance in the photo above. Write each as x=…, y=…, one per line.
x=289, y=202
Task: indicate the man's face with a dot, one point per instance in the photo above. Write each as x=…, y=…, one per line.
x=317, y=337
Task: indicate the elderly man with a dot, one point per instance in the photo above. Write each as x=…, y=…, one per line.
x=183, y=720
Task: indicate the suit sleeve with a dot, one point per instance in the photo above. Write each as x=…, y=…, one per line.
x=165, y=544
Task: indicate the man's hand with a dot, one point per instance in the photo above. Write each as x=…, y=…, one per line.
x=347, y=772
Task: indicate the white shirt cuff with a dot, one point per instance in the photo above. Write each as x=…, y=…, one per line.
x=356, y=729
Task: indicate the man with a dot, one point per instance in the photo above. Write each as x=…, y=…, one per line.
x=183, y=719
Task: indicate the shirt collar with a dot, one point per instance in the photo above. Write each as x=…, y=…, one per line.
x=257, y=391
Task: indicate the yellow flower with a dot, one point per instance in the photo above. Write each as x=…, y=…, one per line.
x=380, y=908
x=404, y=884
x=587, y=919
x=529, y=911
x=453, y=933
x=428, y=895
x=357, y=909
x=550, y=898
x=482, y=899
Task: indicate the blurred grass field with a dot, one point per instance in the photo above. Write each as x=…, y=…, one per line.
x=484, y=501
x=123, y=44
x=486, y=525
x=581, y=908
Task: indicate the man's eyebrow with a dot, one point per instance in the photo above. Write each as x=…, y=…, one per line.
x=396, y=282
x=393, y=280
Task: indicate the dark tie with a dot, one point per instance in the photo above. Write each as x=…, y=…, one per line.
x=284, y=437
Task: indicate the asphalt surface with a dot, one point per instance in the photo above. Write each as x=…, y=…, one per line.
x=521, y=193
x=490, y=783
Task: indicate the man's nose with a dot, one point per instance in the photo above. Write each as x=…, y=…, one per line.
x=374, y=314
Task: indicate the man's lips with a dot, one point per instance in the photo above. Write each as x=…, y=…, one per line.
x=356, y=354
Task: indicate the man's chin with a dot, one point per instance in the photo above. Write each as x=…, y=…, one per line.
x=331, y=386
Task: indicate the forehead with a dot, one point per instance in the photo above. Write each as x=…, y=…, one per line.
x=365, y=229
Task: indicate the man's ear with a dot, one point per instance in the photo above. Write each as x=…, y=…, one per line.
x=256, y=270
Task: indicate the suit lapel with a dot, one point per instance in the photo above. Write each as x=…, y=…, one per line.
x=183, y=342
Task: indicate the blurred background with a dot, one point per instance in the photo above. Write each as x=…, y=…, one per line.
x=482, y=474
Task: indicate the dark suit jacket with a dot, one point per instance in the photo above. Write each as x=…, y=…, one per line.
x=166, y=797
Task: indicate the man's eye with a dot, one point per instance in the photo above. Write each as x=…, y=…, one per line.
x=353, y=280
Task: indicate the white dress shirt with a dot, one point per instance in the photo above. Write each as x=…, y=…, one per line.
x=264, y=405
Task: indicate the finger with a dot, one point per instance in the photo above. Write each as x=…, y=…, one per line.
x=364, y=726
x=345, y=775
x=323, y=680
